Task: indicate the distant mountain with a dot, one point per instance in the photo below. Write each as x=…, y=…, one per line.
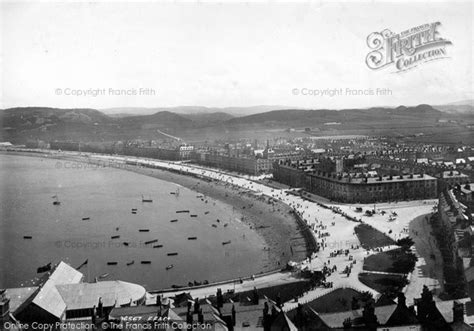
x=190, y=110
x=159, y=120
x=459, y=107
x=22, y=124
x=36, y=117
x=208, y=118
x=302, y=117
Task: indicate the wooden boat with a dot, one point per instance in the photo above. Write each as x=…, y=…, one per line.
x=111, y=263
x=151, y=241
x=125, y=243
x=86, y=218
x=143, y=230
x=190, y=284
x=225, y=225
x=44, y=268
x=114, y=237
x=56, y=202
x=131, y=262
x=173, y=221
x=134, y=212
x=192, y=238
x=182, y=211
x=157, y=246
x=205, y=213
x=214, y=226
x=104, y=276
x=172, y=254
x=169, y=267
x=226, y=242
x=146, y=199
x=145, y=262
x=27, y=237
x=194, y=215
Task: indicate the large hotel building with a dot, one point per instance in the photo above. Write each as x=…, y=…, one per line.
x=355, y=188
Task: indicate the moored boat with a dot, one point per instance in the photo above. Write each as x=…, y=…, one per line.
x=169, y=267
x=226, y=242
x=172, y=254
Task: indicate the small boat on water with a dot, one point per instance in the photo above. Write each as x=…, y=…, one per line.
x=214, y=226
x=134, y=212
x=125, y=243
x=146, y=262
x=157, y=246
x=144, y=230
x=225, y=225
x=205, y=213
x=173, y=221
x=182, y=211
x=131, y=262
x=169, y=267
x=226, y=242
x=86, y=218
x=192, y=238
x=112, y=263
x=27, y=237
x=146, y=199
x=56, y=202
x=151, y=241
x=104, y=276
x=194, y=215
x=177, y=286
x=172, y=254
x=114, y=237
x=173, y=193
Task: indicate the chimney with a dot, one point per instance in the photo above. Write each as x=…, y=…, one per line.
x=196, y=305
x=233, y=315
x=255, y=296
x=401, y=300
x=200, y=317
x=458, y=312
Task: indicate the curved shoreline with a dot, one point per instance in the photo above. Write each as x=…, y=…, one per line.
x=272, y=220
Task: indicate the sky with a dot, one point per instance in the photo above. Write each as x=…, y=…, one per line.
x=102, y=54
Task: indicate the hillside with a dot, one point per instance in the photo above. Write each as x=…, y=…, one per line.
x=22, y=124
